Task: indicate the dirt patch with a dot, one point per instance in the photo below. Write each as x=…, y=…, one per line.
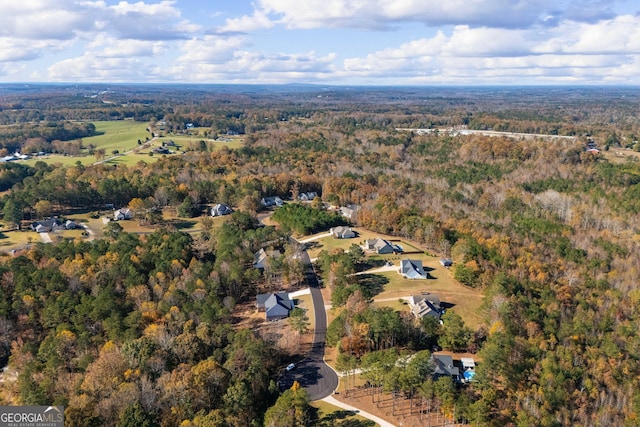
x=278, y=334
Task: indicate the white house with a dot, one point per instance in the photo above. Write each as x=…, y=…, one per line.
x=123, y=213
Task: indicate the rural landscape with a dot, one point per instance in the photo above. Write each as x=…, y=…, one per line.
x=314, y=255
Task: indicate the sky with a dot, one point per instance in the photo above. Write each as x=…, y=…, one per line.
x=333, y=42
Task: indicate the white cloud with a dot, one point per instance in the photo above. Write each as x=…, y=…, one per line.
x=376, y=14
x=605, y=51
x=258, y=21
x=246, y=66
x=211, y=49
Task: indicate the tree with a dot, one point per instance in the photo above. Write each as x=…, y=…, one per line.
x=12, y=212
x=112, y=229
x=43, y=208
x=135, y=416
x=290, y=410
x=455, y=335
x=299, y=321
x=187, y=208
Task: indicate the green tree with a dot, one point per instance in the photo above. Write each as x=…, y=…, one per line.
x=290, y=410
x=455, y=334
x=299, y=321
x=135, y=416
x=12, y=212
x=187, y=209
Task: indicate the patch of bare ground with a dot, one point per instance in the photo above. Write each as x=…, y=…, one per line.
x=278, y=334
x=400, y=412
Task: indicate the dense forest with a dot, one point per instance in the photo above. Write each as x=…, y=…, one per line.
x=137, y=329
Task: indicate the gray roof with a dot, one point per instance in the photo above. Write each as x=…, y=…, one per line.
x=443, y=365
x=412, y=269
x=425, y=305
x=276, y=305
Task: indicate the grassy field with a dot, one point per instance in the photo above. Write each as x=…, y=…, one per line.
x=331, y=415
x=314, y=247
x=465, y=301
x=121, y=135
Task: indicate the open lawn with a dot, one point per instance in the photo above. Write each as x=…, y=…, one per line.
x=329, y=243
x=121, y=135
x=463, y=300
x=191, y=142
x=17, y=239
x=329, y=415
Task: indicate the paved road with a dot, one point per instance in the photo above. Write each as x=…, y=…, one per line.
x=315, y=376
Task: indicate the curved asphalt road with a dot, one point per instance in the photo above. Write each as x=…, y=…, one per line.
x=315, y=376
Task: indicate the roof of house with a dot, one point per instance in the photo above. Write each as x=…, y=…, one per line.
x=275, y=304
x=342, y=231
x=271, y=200
x=443, y=365
x=221, y=209
x=379, y=244
x=425, y=305
x=412, y=269
x=468, y=362
x=260, y=258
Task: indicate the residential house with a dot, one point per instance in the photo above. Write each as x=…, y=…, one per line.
x=221, y=209
x=123, y=213
x=275, y=305
x=342, y=232
x=412, y=269
x=261, y=258
x=306, y=197
x=161, y=150
x=45, y=226
x=425, y=305
x=443, y=367
x=70, y=225
x=268, y=202
x=380, y=246
x=349, y=211
x=446, y=262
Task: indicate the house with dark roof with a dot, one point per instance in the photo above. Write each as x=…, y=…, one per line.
x=380, y=246
x=308, y=196
x=221, y=209
x=446, y=262
x=443, y=367
x=412, y=269
x=46, y=225
x=268, y=202
x=275, y=305
x=70, y=225
x=342, y=232
x=425, y=305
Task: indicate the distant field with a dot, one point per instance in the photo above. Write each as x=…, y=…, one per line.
x=330, y=243
x=123, y=136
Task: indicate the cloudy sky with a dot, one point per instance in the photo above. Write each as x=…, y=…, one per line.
x=363, y=42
